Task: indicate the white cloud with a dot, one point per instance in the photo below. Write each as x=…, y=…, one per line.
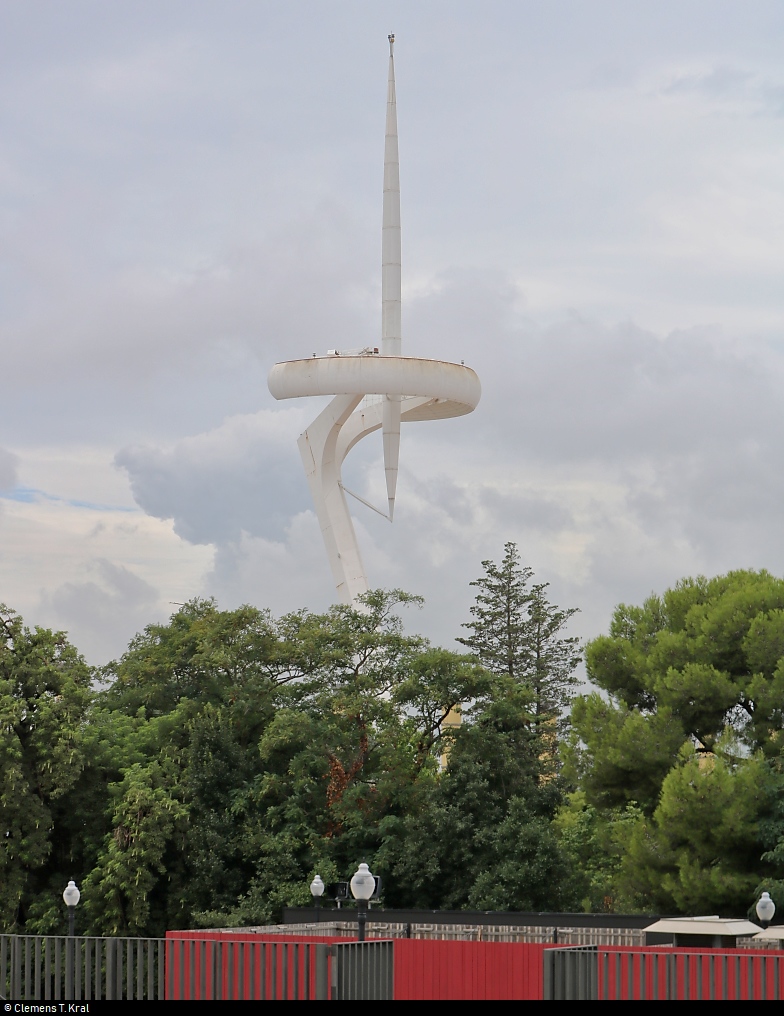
x=8, y=463
x=105, y=611
x=618, y=460
x=592, y=208
x=96, y=571
x=241, y=477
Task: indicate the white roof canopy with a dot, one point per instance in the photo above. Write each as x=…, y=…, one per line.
x=712, y=925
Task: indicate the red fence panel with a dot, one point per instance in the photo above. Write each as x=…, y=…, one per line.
x=432, y=969
x=424, y=969
x=250, y=966
x=631, y=973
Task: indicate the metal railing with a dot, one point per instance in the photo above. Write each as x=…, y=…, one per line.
x=662, y=974
x=571, y=974
x=363, y=970
x=59, y=967
x=217, y=968
x=208, y=968
x=710, y=975
x=461, y=932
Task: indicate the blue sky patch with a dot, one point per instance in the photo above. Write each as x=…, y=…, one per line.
x=29, y=495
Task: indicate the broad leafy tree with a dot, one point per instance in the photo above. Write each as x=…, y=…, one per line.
x=44, y=699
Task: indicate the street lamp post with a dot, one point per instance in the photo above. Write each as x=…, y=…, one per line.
x=71, y=897
x=363, y=886
x=317, y=891
x=766, y=908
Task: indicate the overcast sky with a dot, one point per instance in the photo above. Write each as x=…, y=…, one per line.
x=593, y=219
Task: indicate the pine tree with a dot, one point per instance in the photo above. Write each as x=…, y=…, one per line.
x=517, y=631
x=553, y=658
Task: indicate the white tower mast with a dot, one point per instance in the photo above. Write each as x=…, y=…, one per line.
x=391, y=331
x=411, y=389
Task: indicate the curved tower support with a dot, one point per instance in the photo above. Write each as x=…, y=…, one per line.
x=317, y=447
x=323, y=448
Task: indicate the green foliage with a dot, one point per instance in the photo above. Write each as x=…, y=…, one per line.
x=231, y=755
x=483, y=837
x=628, y=753
x=118, y=890
x=44, y=697
x=690, y=665
x=516, y=631
x=348, y=756
x=499, y=629
x=596, y=842
x=700, y=851
x=687, y=724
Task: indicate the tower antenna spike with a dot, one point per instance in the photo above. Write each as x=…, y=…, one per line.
x=391, y=271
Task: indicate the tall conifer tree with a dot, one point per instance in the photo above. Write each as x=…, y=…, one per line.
x=516, y=631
